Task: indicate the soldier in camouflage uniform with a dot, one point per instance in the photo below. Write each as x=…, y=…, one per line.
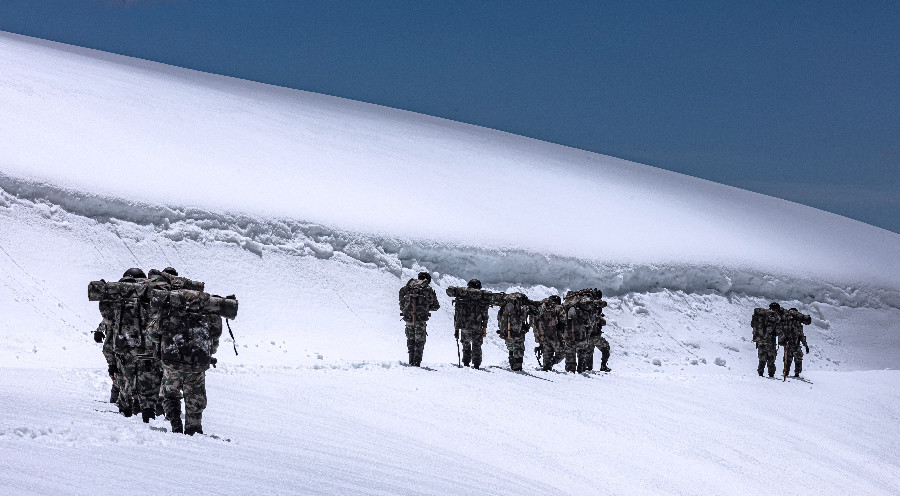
x=792, y=337
x=512, y=320
x=129, y=341
x=417, y=301
x=766, y=324
x=470, y=318
x=601, y=344
x=584, y=319
x=187, y=335
x=549, y=327
x=104, y=334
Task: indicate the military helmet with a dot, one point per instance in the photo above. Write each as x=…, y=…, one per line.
x=774, y=306
x=474, y=284
x=171, y=271
x=424, y=276
x=135, y=273
x=555, y=299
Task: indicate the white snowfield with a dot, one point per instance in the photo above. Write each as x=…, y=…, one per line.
x=314, y=210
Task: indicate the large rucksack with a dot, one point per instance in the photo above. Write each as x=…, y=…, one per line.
x=547, y=321
x=189, y=324
x=417, y=300
x=129, y=301
x=512, y=319
x=584, y=314
x=471, y=307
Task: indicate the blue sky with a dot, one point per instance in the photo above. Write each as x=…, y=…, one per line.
x=798, y=100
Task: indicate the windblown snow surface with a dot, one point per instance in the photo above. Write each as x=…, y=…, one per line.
x=315, y=210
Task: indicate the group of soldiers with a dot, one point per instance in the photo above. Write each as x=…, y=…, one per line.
x=564, y=329
x=159, y=333
x=774, y=327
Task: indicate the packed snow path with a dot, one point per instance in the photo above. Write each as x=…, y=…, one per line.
x=384, y=428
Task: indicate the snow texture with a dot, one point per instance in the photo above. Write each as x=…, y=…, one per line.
x=315, y=210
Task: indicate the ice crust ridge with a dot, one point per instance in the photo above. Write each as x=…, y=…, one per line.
x=497, y=268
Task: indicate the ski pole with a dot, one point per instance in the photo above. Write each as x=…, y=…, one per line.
x=458, y=357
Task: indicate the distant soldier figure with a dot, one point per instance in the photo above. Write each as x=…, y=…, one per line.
x=417, y=301
x=584, y=319
x=104, y=334
x=766, y=324
x=791, y=338
x=549, y=327
x=470, y=318
x=600, y=343
x=187, y=331
x=512, y=320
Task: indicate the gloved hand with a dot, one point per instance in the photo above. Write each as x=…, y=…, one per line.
x=456, y=333
x=112, y=369
x=98, y=337
x=807, y=349
x=213, y=361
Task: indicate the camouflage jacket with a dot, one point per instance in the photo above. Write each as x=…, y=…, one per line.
x=549, y=322
x=512, y=319
x=417, y=301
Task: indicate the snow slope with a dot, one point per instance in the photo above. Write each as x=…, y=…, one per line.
x=314, y=210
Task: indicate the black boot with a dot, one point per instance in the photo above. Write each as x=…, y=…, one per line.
x=176, y=425
x=114, y=393
x=125, y=411
x=147, y=414
x=193, y=429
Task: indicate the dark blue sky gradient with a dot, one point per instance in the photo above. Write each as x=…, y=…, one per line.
x=799, y=100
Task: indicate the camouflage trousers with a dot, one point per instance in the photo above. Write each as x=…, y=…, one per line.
x=767, y=355
x=126, y=379
x=415, y=341
x=795, y=356
x=149, y=379
x=516, y=347
x=570, y=352
x=552, y=352
x=603, y=345
x=471, y=341
x=584, y=351
x=189, y=383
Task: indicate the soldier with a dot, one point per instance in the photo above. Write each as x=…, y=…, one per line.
x=601, y=344
x=104, y=334
x=512, y=319
x=187, y=334
x=584, y=318
x=765, y=324
x=470, y=319
x=549, y=326
x=417, y=301
x=792, y=338
x=129, y=342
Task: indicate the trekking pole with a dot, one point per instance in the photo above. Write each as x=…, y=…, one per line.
x=458, y=356
x=233, y=342
x=785, y=364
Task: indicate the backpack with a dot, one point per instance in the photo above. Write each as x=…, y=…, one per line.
x=512, y=319
x=416, y=300
x=584, y=314
x=188, y=324
x=471, y=307
x=547, y=322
